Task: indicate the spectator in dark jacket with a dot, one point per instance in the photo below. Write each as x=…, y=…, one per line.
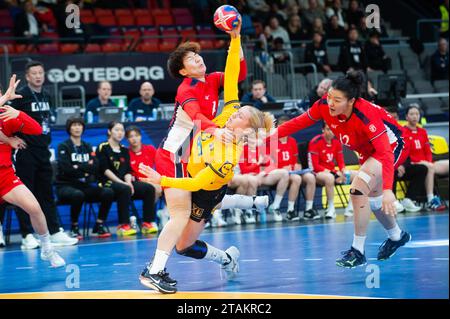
x=354, y=14
x=376, y=57
x=27, y=25
x=316, y=53
x=439, y=62
x=258, y=96
x=334, y=30
x=352, y=55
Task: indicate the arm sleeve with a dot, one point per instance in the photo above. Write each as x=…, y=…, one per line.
x=300, y=122
x=90, y=168
x=25, y=124
x=65, y=163
x=231, y=98
x=205, y=177
x=340, y=156
x=192, y=108
x=103, y=163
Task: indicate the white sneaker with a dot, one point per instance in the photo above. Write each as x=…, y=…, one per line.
x=232, y=268
x=217, y=219
x=62, y=239
x=410, y=206
x=249, y=217
x=276, y=214
x=237, y=213
x=261, y=202
x=2, y=239
x=53, y=257
x=29, y=242
x=331, y=213
x=163, y=216
x=398, y=207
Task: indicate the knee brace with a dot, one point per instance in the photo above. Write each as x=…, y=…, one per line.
x=197, y=250
x=376, y=203
x=355, y=190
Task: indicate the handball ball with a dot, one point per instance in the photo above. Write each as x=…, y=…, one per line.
x=226, y=18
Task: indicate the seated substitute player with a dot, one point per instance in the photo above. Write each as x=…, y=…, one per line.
x=288, y=159
x=378, y=138
x=420, y=154
x=323, y=150
x=12, y=190
x=211, y=167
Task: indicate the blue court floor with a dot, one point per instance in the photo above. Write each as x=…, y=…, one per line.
x=288, y=259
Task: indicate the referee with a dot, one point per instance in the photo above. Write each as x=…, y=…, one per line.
x=32, y=164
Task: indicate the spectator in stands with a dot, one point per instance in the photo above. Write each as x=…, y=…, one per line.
x=76, y=179
x=276, y=11
x=279, y=54
x=319, y=90
x=313, y=12
x=354, y=14
x=334, y=30
x=297, y=32
x=258, y=96
x=317, y=27
x=288, y=159
x=142, y=107
x=259, y=8
x=275, y=30
x=141, y=153
x=324, y=150
x=443, y=8
x=337, y=11
x=316, y=53
x=116, y=173
x=257, y=163
x=420, y=153
x=32, y=163
x=262, y=57
x=104, y=90
x=352, y=55
x=376, y=57
x=439, y=61
x=27, y=25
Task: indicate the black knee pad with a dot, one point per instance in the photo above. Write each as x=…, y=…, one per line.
x=355, y=192
x=197, y=250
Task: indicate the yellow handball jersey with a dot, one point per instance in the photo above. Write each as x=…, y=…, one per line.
x=211, y=162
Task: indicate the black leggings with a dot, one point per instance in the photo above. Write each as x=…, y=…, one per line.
x=143, y=191
x=415, y=174
x=76, y=195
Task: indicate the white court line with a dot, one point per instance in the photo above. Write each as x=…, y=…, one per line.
x=313, y=259
x=234, y=231
x=121, y=264
x=186, y=262
x=372, y=258
x=410, y=258
x=89, y=265
x=281, y=259
x=440, y=258
x=249, y=260
x=20, y=268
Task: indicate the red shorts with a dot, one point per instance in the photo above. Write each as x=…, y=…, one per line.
x=166, y=165
x=8, y=180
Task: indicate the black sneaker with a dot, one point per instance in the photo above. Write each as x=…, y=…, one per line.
x=157, y=281
x=389, y=247
x=292, y=215
x=311, y=214
x=169, y=280
x=75, y=232
x=100, y=231
x=352, y=258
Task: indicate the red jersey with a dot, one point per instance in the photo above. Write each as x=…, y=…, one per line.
x=370, y=131
x=420, y=149
x=23, y=124
x=287, y=153
x=322, y=155
x=146, y=156
x=248, y=163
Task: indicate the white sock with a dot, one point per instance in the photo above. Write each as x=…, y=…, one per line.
x=358, y=243
x=429, y=197
x=291, y=205
x=394, y=233
x=277, y=201
x=309, y=204
x=237, y=201
x=330, y=204
x=216, y=255
x=159, y=261
x=45, y=242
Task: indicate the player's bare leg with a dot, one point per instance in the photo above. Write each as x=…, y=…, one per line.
x=327, y=179
x=279, y=177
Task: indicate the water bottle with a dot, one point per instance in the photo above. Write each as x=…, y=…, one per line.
x=130, y=116
x=133, y=222
x=263, y=216
x=347, y=177
x=90, y=117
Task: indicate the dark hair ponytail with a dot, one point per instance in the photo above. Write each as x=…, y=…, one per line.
x=351, y=84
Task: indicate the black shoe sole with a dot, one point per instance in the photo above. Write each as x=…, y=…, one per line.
x=150, y=284
x=382, y=259
x=342, y=266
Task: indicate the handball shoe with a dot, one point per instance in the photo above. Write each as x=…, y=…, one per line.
x=389, y=246
x=157, y=281
x=125, y=230
x=29, y=242
x=100, y=231
x=276, y=214
x=292, y=215
x=232, y=267
x=62, y=239
x=52, y=256
x=311, y=214
x=351, y=259
x=149, y=228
